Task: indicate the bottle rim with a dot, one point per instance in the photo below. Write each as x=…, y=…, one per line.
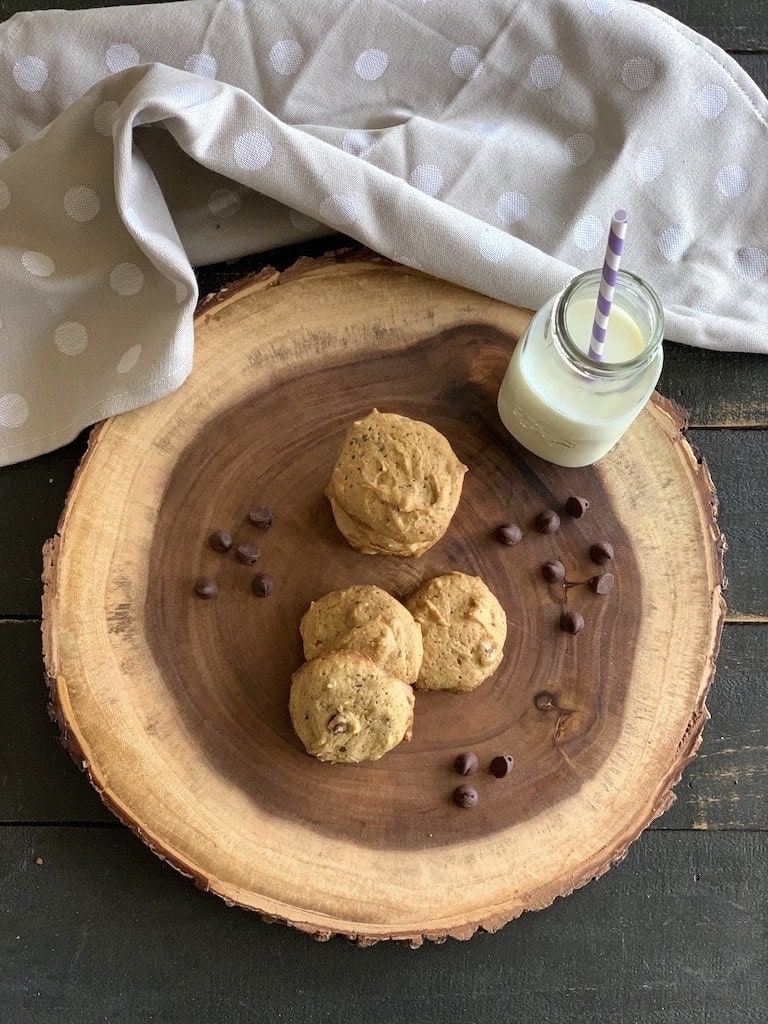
x=599, y=368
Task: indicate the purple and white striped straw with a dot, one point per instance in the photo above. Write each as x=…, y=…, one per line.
x=611, y=263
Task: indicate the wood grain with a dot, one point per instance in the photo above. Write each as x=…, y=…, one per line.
x=31, y=499
x=738, y=25
x=179, y=708
x=717, y=389
x=101, y=913
x=740, y=459
x=723, y=788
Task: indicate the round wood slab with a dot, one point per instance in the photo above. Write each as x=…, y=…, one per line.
x=177, y=707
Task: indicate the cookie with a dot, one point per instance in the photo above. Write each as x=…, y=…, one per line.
x=368, y=620
x=395, y=485
x=463, y=628
x=344, y=707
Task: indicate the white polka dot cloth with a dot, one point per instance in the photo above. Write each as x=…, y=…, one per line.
x=487, y=144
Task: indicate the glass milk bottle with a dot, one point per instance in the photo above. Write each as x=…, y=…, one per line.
x=561, y=404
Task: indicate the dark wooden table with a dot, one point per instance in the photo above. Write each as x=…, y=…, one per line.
x=95, y=928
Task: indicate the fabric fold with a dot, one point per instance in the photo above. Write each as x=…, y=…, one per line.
x=487, y=149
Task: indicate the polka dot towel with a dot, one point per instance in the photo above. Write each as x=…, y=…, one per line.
x=488, y=145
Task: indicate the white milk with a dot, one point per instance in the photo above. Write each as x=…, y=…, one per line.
x=561, y=405
x=623, y=341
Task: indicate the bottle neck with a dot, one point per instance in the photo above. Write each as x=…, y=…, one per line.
x=634, y=301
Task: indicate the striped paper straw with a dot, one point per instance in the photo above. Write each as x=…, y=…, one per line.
x=611, y=263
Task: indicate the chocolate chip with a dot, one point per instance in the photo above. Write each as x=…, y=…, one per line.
x=220, y=541
x=262, y=584
x=547, y=521
x=508, y=534
x=576, y=507
x=261, y=517
x=572, y=622
x=544, y=701
x=602, y=583
x=206, y=588
x=553, y=572
x=247, y=554
x=502, y=765
x=601, y=552
x=465, y=763
x=465, y=796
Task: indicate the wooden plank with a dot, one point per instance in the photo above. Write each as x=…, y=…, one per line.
x=738, y=462
x=756, y=66
x=101, y=930
x=726, y=786
x=10, y=7
x=717, y=389
x=38, y=780
x=31, y=499
x=733, y=24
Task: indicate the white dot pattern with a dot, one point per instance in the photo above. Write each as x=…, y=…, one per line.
x=751, y=263
x=512, y=207
x=253, y=151
x=38, y=263
x=600, y=7
x=579, y=149
x=466, y=62
x=546, y=71
x=129, y=359
x=427, y=178
x=339, y=210
x=287, y=56
x=638, y=74
x=223, y=202
x=711, y=100
x=732, y=181
x=81, y=203
x=71, y=338
x=191, y=94
x=371, y=64
x=121, y=56
x=14, y=411
x=5, y=150
x=673, y=243
x=649, y=164
x=588, y=233
x=491, y=129
x=30, y=73
x=495, y=246
x=5, y=196
x=203, y=64
x=358, y=144
x=126, y=279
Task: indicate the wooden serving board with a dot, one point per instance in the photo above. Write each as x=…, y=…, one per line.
x=177, y=707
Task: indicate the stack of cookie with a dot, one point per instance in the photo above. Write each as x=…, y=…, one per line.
x=394, y=490
x=352, y=700
x=395, y=485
